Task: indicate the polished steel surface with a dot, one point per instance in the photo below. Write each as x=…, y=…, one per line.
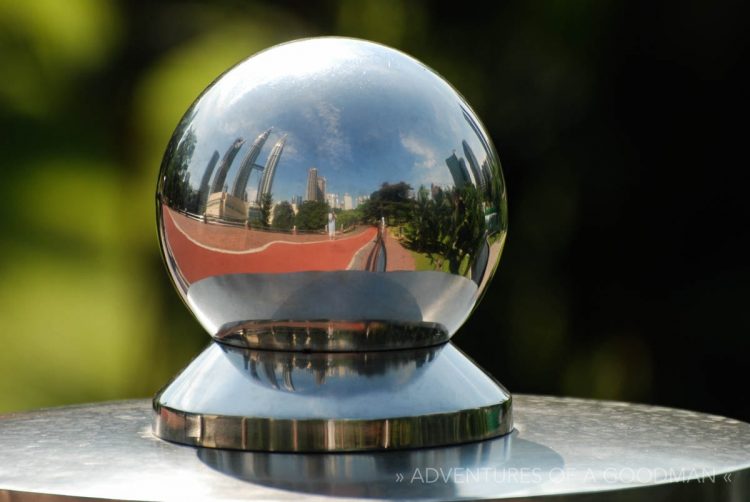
x=331, y=194
x=579, y=449
x=338, y=401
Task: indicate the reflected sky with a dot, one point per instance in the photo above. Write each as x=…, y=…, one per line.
x=381, y=119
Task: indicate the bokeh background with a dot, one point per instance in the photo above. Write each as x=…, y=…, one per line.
x=622, y=129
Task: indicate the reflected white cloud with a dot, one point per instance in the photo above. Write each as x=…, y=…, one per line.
x=426, y=158
x=333, y=146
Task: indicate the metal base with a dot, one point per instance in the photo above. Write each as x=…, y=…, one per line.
x=305, y=402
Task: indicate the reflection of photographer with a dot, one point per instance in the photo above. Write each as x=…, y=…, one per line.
x=331, y=225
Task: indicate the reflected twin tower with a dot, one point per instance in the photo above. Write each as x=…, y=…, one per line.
x=249, y=163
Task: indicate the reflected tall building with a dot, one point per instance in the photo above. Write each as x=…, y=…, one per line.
x=248, y=164
x=477, y=130
x=458, y=170
x=203, y=190
x=266, y=182
x=312, y=184
x=234, y=205
x=474, y=165
x=226, y=163
x=332, y=199
x=487, y=167
x=321, y=188
x=487, y=175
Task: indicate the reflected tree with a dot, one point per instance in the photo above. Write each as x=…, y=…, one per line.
x=449, y=225
x=283, y=216
x=312, y=215
x=177, y=188
x=348, y=217
x=392, y=202
x=266, y=205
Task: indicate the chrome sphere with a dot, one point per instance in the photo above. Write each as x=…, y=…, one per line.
x=331, y=194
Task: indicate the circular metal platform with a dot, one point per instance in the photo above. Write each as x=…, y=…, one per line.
x=563, y=449
x=268, y=400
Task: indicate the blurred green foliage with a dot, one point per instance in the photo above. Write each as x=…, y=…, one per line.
x=91, y=91
x=86, y=309
x=47, y=44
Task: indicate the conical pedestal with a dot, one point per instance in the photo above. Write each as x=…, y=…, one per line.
x=292, y=401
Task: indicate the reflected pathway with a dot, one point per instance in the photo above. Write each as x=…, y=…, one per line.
x=202, y=254
x=399, y=258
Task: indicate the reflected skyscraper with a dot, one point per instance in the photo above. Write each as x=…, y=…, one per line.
x=333, y=200
x=248, y=164
x=321, y=196
x=266, y=182
x=458, y=170
x=474, y=165
x=487, y=167
x=482, y=137
x=312, y=184
x=203, y=191
x=487, y=176
x=226, y=163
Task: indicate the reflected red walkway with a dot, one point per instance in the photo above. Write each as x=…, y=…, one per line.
x=399, y=258
x=197, y=261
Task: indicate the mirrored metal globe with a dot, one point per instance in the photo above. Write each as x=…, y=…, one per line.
x=331, y=194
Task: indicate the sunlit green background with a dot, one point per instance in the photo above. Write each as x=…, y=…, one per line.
x=589, y=104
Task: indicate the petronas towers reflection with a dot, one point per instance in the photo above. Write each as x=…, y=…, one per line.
x=218, y=202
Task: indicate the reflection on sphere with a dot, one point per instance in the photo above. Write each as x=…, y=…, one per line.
x=331, y=194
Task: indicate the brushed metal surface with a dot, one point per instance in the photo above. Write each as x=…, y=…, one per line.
x=562, y=449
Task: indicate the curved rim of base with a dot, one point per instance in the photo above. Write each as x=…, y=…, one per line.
x=332, y=435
